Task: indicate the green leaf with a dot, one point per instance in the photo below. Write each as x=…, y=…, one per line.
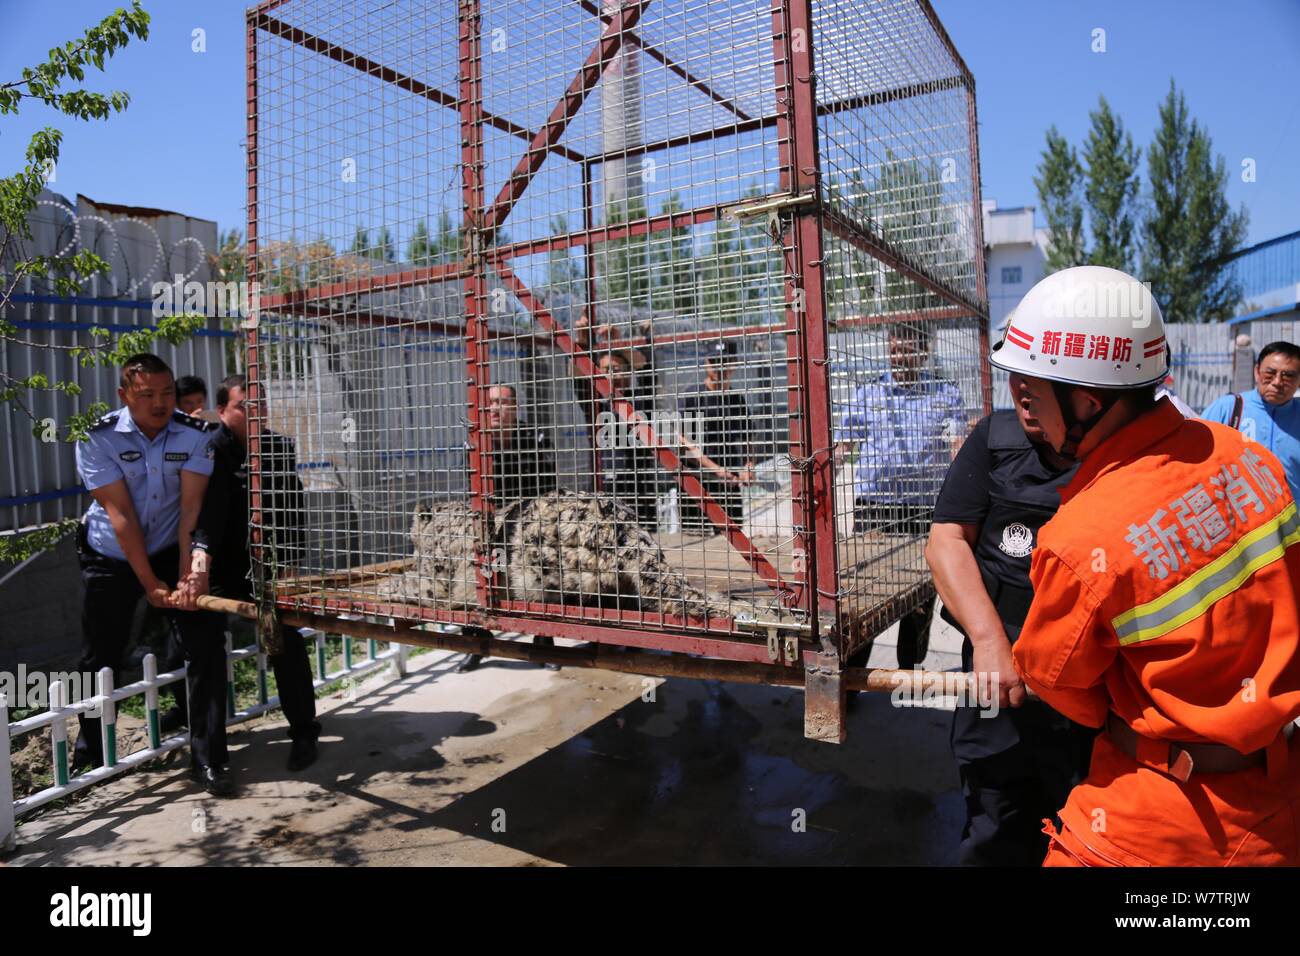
x=1111, y=189
x=1189, y=228
x=17, y=548
x=1060, y=186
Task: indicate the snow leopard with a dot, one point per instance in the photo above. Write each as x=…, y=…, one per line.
x=564, y=547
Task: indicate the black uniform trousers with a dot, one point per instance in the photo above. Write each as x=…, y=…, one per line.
x=291, y=667
x=1016, y=770
x=173, y=658
x=111, y=593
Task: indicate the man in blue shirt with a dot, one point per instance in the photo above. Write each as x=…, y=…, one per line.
x=147, y=465
x=1270, y=412
x=906, y=426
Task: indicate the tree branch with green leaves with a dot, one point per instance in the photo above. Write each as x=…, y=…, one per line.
x=56, y=83
x=1060, y=190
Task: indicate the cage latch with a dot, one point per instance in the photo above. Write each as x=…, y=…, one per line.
x=769, y=204
x=782, y=650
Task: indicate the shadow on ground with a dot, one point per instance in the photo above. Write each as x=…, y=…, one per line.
x=573, y=768
x=732, y=781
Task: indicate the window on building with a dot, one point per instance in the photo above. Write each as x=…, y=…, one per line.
x=1011, y=275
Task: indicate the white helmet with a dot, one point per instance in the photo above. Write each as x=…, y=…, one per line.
x=1086, y=326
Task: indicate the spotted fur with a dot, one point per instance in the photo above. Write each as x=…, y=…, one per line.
x=564, y=547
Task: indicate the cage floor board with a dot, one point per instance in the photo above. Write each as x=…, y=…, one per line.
x=873, y=570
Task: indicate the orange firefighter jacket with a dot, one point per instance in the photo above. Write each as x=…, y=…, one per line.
x=1165, y=588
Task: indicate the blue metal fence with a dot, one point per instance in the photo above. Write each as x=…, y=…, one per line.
x=1267, y=266
x=38, y=479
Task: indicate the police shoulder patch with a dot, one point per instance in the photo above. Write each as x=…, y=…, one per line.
x=108, y=421
x=196, y=423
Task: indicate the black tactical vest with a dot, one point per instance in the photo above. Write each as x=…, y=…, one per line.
x=1023, y=496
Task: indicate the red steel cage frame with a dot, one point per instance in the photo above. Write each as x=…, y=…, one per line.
x=817, y=656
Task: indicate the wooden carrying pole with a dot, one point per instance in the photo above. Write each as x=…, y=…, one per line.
x=227, y=606
x=914, y=684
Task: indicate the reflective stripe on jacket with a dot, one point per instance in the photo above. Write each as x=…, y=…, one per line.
x=1165, y=588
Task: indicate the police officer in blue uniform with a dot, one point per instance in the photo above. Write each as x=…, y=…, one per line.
x=905, y=426
x=1018, y=761
x=147, y=466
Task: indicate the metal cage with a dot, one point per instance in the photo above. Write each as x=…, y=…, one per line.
x=653, y=324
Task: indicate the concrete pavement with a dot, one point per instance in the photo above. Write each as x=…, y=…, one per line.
x=515, y=765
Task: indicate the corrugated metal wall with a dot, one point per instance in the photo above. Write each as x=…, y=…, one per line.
x=38, y=479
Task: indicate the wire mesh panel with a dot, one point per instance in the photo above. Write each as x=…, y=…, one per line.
x=569, y=306
x=905, y=300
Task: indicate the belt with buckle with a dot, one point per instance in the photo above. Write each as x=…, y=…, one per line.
x=1183, y=758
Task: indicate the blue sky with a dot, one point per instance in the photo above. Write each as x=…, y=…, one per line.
x=1236, y=63
x=179, y=144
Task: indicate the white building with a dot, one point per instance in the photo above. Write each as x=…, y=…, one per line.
x=1015, y=253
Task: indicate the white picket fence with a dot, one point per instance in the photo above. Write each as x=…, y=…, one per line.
x=107, y=698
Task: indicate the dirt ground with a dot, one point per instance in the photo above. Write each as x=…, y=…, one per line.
x=516, y=765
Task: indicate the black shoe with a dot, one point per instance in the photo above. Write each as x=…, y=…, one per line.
x=82, y=760
x=551, y=667
x=171, y=720
x=215, y=780
x=302, y=754
x=470, y=663
x=912, y=654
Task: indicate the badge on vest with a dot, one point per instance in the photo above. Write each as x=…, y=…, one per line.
x=176, y=456
x=130, y=455
x=1017, y=540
